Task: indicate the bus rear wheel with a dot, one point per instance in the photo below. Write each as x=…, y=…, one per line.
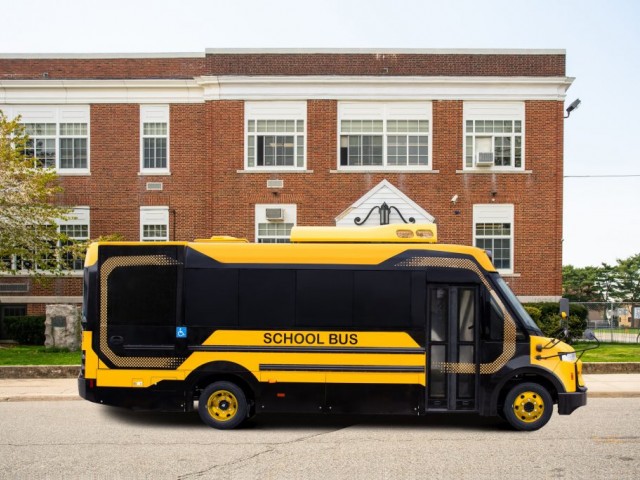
x=223, y=405
x=528, y=406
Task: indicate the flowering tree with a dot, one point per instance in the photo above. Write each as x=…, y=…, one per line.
x=29, y=236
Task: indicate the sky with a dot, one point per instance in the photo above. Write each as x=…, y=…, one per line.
x=601, y=39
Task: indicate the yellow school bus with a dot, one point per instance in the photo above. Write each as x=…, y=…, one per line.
x=380, y=320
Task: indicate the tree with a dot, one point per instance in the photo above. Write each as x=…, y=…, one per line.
x=626, y=286
x=579, y=284
x=29, y=236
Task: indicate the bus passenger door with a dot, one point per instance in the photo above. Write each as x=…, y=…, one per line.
x=452, y=347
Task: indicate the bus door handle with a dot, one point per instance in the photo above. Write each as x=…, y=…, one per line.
x=116, y=340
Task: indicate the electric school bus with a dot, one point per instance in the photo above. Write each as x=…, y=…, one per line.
x=357, y=320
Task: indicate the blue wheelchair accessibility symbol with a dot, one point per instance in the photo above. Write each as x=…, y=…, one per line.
x=181, y=332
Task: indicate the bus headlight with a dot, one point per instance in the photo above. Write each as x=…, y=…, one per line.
x=568, y=357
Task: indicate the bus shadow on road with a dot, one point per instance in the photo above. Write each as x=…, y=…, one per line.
x=279, y=422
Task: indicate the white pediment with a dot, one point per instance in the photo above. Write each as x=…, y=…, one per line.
x=384, y=192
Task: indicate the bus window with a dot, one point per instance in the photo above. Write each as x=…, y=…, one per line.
x=267, y=298
x=324, y=298
x=142, y=309
x=211, y=297
x=144, y=295
x=494, y=330
x=439, y=314
x=382, y=299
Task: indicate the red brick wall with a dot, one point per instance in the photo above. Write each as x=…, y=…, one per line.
x=468, y=64
x=206, y=194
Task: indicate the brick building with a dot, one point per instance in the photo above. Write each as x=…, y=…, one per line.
x=249, y=143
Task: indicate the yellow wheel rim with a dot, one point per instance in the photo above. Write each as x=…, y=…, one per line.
x=528, y=407
x=222, y=405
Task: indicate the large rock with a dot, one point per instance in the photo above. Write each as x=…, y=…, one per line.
x=62, y=326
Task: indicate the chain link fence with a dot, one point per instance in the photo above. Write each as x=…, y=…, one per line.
x=614, y=322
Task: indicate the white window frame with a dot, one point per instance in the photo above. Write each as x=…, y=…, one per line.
x=496, y=213
x=155, y=114
x=385, y=112
x=493, y=112
x=289, y=219
x=81, y=216
x=58, y=115
x=154, y=216
x=272, y=111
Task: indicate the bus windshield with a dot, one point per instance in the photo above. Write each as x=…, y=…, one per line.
x=528, y=322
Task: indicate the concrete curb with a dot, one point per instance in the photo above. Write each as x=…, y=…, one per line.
x=611, y=367
x=42, y=397
x=39, y=371
x=72, y=371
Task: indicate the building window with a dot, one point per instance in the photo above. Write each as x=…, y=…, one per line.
x=361, y=142
x=58, y=136
x=274, y=223
x=275, y=143
x=493, y=231
x=384, y=135
x=275, y=135
x=73, y=145
x=494, y=135
x=498, y=142
x=75, y=230
x=154, y=142
x=41, y=145
x=154, y=224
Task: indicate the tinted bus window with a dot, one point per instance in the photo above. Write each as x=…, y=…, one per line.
x=324, y=298
x=382, y=299
x=142, y=295
x=211, y=297
x=267, y=298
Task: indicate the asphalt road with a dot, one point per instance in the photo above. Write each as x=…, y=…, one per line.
x=78, y=439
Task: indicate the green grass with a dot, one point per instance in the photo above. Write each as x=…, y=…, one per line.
x=611, y=352
x=28, y=355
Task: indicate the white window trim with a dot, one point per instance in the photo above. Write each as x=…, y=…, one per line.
x=473, y=110
x=496, y=213
x=154, y=114
x=79, y=216
x=400, y=110
x=276, y=110
x=290, y=215
x=56, y=114
x=154, y=216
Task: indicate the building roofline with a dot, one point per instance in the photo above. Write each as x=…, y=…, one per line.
x=388, y=51
x=285, y=51
x=85, y=56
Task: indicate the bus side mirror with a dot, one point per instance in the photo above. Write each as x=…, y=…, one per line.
x=589, y=335
x=564, y=308
x=564, y=313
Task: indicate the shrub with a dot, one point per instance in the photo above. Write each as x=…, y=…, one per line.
x=26, y=330
x=547, y=317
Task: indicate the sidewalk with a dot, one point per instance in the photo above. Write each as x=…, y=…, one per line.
x=40, y=389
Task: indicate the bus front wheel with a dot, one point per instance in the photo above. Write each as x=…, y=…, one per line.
x=223, y=405
x=528, y=406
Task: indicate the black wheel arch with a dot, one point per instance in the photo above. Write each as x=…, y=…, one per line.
x=217, y=371
x=534, y=374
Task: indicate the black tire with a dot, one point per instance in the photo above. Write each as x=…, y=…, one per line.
x=528, y=406
x=223, y=405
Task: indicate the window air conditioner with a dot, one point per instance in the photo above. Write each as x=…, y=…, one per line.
x=485, y=159
x=275, y=214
